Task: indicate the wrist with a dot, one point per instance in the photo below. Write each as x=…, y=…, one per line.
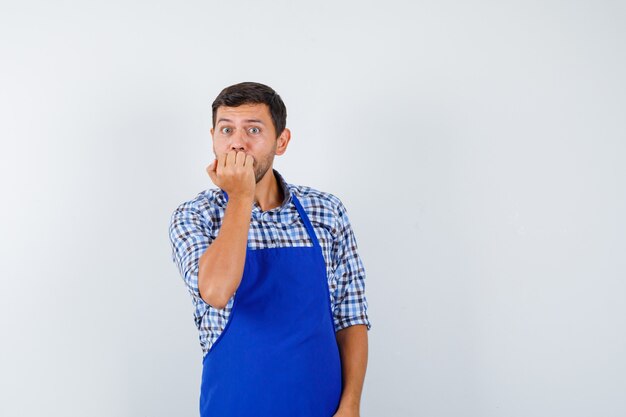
x=350, y=403
x=241, y=199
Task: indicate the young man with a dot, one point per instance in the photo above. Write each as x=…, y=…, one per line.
x=274, y=275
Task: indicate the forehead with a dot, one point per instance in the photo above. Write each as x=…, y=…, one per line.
x=245, y=111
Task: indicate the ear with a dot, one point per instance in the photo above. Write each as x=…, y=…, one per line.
x=211, y=132
x=283, y=141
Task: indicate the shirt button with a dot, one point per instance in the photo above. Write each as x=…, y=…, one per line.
x=265, y=216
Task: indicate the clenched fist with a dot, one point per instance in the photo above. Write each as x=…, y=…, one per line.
x=233, y=172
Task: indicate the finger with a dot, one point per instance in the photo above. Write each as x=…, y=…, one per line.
x=211, y=170
x=221, y=161
x=231, y=158
x=241, y=158
x=212, y=166
x=249, y=160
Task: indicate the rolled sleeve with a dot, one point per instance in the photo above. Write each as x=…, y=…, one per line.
x=350, y=302
x=189, y=238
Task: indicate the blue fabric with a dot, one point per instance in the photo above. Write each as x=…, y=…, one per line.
x=277, y=355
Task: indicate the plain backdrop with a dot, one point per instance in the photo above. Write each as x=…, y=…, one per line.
x=478, y=147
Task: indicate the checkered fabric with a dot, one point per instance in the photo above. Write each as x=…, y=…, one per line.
x=195, y=223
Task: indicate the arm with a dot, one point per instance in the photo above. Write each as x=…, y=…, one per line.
x=212, y=267
x=190, y=234
x=350, y=314
x=221, y=266
x=353, y=346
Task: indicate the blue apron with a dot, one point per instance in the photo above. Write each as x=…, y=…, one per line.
x=277, y=355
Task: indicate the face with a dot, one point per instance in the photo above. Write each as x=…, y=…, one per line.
x=248, y=128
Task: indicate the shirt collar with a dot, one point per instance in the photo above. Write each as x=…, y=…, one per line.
x=286, y=192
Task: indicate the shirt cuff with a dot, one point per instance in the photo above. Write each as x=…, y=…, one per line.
x=351, y=321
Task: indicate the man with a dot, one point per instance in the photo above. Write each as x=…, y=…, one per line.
x=274, y=275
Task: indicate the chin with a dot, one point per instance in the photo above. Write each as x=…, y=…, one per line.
x=259, y=178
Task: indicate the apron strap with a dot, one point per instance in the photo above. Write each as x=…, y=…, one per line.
x=305, y=219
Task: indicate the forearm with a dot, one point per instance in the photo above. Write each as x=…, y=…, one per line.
x=353, y=348
x=221, y=266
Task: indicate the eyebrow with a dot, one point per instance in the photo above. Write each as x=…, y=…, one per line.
x=247, y=120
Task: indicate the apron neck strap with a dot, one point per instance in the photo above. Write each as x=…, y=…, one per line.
x=305, y=219
x=303, y=215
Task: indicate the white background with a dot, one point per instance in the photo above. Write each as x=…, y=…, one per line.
x=478, y=147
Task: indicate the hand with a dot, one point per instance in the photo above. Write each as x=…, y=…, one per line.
x=233, y=172
x=347, y=411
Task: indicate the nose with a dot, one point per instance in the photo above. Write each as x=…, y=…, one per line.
x=238, y=141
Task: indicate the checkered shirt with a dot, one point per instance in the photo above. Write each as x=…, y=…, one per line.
x=195, y=223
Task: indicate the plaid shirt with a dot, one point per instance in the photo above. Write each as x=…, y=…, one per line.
x=195, y=223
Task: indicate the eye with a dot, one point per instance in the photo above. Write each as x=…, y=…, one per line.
x=226, y=130
x=254, y=130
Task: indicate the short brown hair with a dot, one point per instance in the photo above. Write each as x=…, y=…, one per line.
x=253, y=93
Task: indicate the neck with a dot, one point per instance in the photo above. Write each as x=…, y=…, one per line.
x=268, y=194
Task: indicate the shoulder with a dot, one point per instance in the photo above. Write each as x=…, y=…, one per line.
x=322, y=206
x=314, y=197
x=204, y=206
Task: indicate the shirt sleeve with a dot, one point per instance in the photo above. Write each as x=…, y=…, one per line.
x=189, y=238
x=350, y=303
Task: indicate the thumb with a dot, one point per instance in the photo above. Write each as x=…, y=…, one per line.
x=211, y=170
